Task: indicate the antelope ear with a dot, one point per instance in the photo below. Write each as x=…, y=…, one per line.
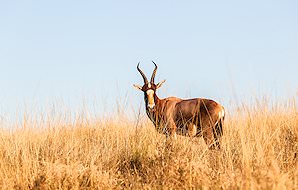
x=138, y=87
x=160, y=84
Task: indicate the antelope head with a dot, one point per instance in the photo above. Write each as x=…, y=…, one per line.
x=149, y=88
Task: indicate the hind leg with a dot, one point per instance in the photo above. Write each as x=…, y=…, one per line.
x=209, y=138
x=218, y=132
x=217, y=142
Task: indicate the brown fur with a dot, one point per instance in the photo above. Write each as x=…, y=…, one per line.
x=176, y=116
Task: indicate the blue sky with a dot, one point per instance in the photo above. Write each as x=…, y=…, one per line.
x=73, y=51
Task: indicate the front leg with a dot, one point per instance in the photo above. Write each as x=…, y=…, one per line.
x=171, y=129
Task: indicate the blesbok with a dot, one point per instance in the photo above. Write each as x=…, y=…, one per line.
x=190, y=117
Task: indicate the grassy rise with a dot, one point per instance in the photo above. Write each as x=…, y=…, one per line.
x=259, y=151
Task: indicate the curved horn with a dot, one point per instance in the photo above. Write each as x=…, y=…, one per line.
x=143, y=75
x=154, y=73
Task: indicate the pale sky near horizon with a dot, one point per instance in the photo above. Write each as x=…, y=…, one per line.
x=88, y=50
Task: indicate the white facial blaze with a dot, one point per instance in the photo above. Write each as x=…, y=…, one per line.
x=150, y=96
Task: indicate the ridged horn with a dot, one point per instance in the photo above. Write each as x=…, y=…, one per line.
x=143, y=75
x=154, y=73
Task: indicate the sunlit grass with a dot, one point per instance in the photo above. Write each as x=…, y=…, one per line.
x=259, y=151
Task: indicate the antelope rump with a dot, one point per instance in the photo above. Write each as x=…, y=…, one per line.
x=190, y=117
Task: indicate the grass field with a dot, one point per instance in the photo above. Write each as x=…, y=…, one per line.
x=259, y=151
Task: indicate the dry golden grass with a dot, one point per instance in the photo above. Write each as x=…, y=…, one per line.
x=259, y=151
